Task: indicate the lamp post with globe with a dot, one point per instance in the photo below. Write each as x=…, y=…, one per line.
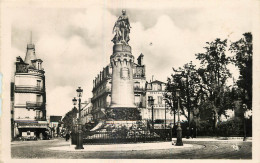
x=179, y=130
x=79, y=144
x=151, y=103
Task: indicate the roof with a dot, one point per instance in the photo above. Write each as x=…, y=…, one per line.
x=55, y=118
x=157, y=81
x=39, y=60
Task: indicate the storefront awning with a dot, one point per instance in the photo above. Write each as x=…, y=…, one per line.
x=32, y=124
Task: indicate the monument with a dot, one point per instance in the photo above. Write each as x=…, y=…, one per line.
x=122, y=99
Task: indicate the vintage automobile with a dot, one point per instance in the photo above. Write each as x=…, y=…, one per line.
x=28, y=136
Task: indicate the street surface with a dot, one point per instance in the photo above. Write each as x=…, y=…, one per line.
x=193, y=149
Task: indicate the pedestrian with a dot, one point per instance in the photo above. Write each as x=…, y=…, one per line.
x=187, y=133
x=191, y=133
x=67, y=136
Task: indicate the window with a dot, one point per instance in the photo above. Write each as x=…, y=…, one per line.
x=38, y=99
x=38, y=83
x=38, y=113
x=159, y=87
x=134, y=72
x=137, y=100
x=159, y=100
x=149, y=103
x=154, y=86
x=137, y=85
x=149, y=86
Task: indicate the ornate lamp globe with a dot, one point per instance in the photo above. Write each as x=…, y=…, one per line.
x=79, y=92
x=74, y=101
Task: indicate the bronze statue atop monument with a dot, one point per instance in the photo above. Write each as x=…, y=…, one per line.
x=121, y=29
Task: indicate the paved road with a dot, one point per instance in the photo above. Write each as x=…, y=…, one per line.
x=199, y=150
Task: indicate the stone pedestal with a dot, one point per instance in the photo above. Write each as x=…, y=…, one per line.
x=122, y=77
x=122, y=101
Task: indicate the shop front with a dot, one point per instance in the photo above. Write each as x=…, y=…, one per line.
x=31, y=130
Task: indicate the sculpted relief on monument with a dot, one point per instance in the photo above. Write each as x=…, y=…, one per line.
x=125, y=73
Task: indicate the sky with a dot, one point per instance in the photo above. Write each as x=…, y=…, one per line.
x=75, y=43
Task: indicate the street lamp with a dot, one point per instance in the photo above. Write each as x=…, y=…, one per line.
x=151, y=103
x=79, y=131
x=185, y=79
x=179, y=130
x=74, y=101
x=244, y=106
x=165, y=116
x=166, y=106
x=74, y=128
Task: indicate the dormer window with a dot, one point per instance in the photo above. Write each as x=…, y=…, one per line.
x=149, y=86
x=38, y=83
x=154, y=86
x=39, y=65
x=159, y=86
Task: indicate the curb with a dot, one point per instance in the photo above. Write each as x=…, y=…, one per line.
x=124, y=147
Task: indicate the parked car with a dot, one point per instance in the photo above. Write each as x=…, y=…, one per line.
x=28, y=135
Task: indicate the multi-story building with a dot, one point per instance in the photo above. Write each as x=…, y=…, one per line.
x=156, y=90
x=86, y=113
x=102, y=84
x=28, y=96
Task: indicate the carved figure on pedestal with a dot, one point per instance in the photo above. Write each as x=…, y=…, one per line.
x=122, y=29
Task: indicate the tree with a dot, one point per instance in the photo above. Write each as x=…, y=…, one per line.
x=186, y=79
x=68, y=118
x=214, y=74
x=243, y=50
x=170, y=97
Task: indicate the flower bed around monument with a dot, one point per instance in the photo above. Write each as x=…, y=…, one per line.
x=122, y=132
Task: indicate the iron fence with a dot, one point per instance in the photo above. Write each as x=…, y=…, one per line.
x=34, y=104
x=124, y=136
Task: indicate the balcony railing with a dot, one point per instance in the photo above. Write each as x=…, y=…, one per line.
x=30, y=104
x=138, y=89
x=157, y=105
x=138, y=75
x=27, y=88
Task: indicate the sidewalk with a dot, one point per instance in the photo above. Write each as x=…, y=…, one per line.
x=124, y=147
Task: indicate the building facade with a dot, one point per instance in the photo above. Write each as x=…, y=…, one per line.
x=86, y=113
x=102, y=88
x=156, y=90
x=28, y=96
